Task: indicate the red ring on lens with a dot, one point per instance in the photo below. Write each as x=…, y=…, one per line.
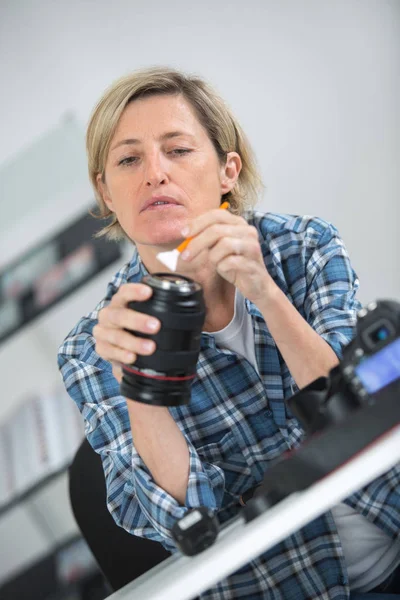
x=160, y=377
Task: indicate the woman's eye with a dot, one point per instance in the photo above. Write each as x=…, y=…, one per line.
x=128, y=160
x=181, y=151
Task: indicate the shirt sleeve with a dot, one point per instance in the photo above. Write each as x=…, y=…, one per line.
x=330, y=303
x=135, y=501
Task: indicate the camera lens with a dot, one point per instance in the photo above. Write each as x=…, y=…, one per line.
x=165, y=377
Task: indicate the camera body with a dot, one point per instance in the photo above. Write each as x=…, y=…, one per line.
x=370, y=362
x=342, y=415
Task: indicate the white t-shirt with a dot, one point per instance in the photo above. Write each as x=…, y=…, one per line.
x=370, y=554
x=238, y=335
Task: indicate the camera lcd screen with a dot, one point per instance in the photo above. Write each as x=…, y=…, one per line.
x=380, y=369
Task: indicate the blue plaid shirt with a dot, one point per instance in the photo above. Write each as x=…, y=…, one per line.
x=237, y=421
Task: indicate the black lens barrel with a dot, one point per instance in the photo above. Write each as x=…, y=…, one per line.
x=164, y=378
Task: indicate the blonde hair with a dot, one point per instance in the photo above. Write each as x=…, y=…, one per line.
x=214, y=115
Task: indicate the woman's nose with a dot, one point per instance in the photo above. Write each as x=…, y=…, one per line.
x=155, y=171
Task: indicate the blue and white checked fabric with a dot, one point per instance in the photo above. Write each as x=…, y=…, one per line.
x=237, y=421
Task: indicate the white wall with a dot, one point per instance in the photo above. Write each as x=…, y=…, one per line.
x=315, y=83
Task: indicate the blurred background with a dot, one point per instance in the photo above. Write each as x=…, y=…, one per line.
x=316, y=86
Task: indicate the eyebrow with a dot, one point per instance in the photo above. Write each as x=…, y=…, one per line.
x=166, y=136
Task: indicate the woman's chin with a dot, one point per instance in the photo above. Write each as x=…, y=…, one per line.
x=161, y=239
x=165, y=234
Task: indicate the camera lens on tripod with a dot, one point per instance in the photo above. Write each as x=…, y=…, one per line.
x=164, y=378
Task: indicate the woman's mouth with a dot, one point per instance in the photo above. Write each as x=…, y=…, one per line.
x=160, y=203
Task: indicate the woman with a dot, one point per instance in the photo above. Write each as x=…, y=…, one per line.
x=164, y=151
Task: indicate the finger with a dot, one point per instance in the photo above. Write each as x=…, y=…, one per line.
x=114, y=354
x=126, y=318
x=130, y=292
x=235, y=268
x=200, y=261
x=249, y=249
x=208, y=237
x=211, y=217
x=213, y=235
x=234, y=262
x=125, y=341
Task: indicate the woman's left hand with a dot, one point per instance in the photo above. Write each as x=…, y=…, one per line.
x=232, y=246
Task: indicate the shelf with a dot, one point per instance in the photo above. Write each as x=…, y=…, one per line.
x=36, y=488
x=51, y=271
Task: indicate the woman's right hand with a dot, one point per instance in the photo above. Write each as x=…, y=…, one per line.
x=115, y=344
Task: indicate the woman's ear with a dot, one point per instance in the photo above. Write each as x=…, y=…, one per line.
x=230, y=172
x=104, y=193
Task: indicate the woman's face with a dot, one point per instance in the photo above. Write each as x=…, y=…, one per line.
x=162, y=170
